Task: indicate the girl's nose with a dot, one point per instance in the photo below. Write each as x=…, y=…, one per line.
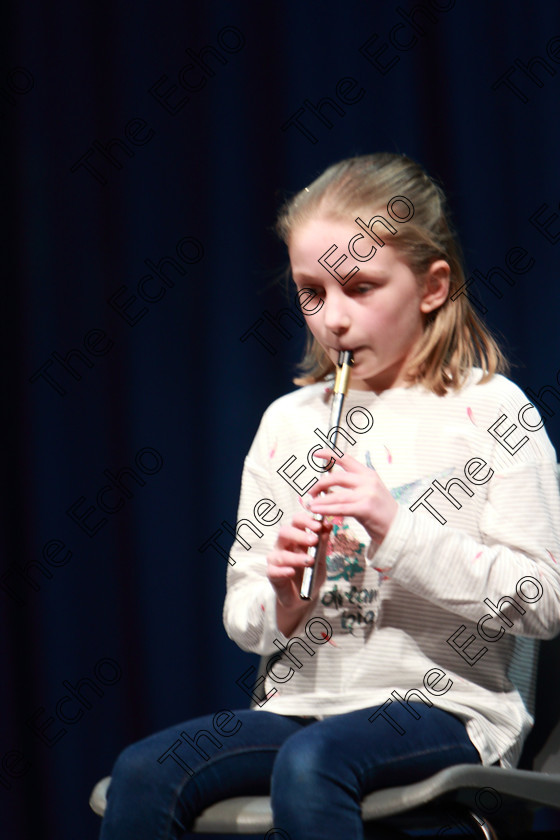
x=342, y=327
x=336, y=320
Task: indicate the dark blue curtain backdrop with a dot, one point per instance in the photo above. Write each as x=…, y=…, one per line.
x=147, y=148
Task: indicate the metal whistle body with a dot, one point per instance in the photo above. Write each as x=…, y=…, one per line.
x=317, y=552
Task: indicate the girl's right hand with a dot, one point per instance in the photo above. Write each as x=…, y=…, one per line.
x=288, y=559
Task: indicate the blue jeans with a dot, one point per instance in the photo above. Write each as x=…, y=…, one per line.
x=316, y=771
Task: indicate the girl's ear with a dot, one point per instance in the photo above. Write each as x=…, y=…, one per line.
x=435, y=286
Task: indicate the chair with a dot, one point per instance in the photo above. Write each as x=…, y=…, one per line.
x=465, y=795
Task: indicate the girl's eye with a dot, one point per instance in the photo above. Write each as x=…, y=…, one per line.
x=311, y=291
x=363, y=288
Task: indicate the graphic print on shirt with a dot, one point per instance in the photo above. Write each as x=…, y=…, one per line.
x=356, y=603
x=343, y=552
x=410, y=492
x=352, y=602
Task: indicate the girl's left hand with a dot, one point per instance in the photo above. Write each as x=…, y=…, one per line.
x=357, y=492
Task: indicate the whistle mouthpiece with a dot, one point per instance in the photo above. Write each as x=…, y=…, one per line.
x=345, y=358
x=342, y=379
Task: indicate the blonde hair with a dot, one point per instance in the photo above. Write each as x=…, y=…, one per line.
x=454, y=338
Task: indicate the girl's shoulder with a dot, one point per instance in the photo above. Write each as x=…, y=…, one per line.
x=502, y=409
x=496, y=393
x=489, y=401
x=289, y=421
x=498, y=389
x=306, y=397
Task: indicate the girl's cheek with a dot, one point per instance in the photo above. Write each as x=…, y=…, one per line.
x=315, y=327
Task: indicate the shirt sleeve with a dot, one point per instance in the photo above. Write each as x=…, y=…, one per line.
x=509, y=573
x=250, y=605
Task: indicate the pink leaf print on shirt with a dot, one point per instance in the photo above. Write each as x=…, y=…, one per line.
x=389, y=456
x=552, y=555
x=330, y=641
x=273, y=450
x=302, y=503
x=470, y=415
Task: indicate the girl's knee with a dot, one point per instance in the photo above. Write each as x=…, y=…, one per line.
x=130, y=765
x=136, y=764
x=301, y=761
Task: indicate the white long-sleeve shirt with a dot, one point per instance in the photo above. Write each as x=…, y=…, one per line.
x=478, y=521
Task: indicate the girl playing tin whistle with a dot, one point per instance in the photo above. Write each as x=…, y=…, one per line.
x=435, y=508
